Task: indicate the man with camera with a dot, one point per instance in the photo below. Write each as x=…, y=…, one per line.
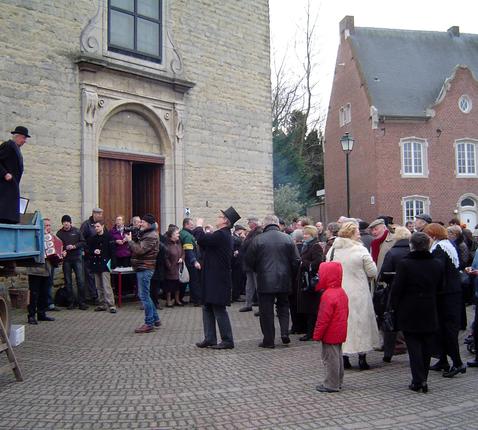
x=143, y=259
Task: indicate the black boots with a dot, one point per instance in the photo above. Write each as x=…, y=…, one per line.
x=363, y=365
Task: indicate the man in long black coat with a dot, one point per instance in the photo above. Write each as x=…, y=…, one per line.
x=216, y=249
x=11, y=170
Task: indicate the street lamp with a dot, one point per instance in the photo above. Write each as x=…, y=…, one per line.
x=347, y=143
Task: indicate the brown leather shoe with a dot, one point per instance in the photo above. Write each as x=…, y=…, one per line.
x=144, y=329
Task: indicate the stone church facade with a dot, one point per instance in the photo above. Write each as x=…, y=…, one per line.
x=140, y=105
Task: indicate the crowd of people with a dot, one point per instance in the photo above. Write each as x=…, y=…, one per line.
x=353, y=286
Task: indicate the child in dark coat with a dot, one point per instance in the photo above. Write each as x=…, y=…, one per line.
x=331, y=325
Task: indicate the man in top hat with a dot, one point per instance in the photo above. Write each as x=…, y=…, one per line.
x=11, y=170
x=216, y=249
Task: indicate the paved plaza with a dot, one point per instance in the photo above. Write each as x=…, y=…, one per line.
x=88, y=370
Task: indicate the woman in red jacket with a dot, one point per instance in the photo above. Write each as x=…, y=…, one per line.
x=331, y=325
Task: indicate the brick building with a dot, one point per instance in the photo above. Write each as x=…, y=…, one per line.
x=140, y=105
x=410, y=101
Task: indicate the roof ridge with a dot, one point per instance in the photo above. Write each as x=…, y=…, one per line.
x=404, y=30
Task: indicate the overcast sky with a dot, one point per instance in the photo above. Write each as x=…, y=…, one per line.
x=288, y=18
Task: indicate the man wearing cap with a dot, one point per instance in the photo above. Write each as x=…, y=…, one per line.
x=73, y=245
x=421, y=221
x=275, y=259
x=216, y=249
x=144, y=251
x=382, y=241
x=87, y=229
x=11, y=170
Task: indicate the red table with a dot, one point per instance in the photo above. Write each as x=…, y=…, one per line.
x=120, y=271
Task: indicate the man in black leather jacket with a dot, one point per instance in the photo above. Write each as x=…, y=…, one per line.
x=273, y=256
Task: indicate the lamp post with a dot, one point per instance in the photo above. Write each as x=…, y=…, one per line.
x=347, y=143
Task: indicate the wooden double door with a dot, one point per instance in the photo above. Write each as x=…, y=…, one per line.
x=129, y=187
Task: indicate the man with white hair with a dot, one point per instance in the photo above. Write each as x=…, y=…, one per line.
x=274, y=258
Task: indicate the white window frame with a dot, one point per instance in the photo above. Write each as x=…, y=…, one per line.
x=467, y=98
x=345, y=114
x=424, y=154
x=414, y=198
x=466, y=141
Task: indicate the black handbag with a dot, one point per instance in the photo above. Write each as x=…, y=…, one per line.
x=308, y=280
x=389, y=319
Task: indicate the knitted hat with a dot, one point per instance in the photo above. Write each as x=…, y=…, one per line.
x=149, y=218
x=66, y=218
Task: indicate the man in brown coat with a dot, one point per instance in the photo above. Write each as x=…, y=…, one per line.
x=143, y=260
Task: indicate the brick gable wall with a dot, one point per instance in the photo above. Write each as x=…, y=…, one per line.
x=375, y=162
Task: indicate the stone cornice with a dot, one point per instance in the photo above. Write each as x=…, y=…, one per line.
x=95, y=64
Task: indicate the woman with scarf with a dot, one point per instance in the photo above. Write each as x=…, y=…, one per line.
x=122, y=251
x=449, y=302
x=307, y=298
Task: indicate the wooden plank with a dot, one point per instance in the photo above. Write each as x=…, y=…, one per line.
x=141, y=158
x=10, y=354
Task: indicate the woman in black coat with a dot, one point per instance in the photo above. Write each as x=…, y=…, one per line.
x=414, y=299
x=308, y=301
x=449, y=302
x=399, y=250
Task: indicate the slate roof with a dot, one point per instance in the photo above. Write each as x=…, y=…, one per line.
x=405, y=70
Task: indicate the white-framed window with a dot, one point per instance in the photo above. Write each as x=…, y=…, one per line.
x=345, y=114
x=465, y=156
x=414, y=157
x=413, y=206
x=465, y=104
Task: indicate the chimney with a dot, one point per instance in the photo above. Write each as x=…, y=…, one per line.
x=346, y=26
x=454, y=31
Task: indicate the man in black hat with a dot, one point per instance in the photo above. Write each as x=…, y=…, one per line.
x=216, y=249
x=11, y=170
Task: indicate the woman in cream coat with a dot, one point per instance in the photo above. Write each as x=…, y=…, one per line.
x=358, y=266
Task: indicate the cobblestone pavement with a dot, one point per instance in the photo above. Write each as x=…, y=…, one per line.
x=88, y=370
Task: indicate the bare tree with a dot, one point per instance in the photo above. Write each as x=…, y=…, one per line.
x=285, y=94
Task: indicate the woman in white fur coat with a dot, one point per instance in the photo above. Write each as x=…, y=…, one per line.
x=358, y=266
